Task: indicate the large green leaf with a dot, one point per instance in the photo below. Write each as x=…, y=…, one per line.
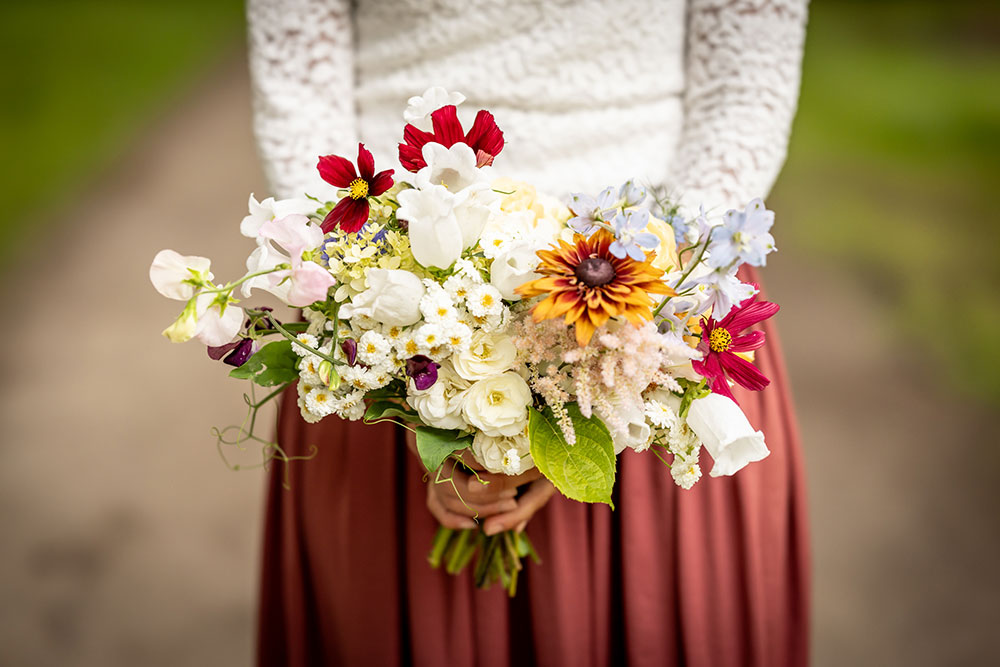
x=379, y=410
x=584, y=471
x=435, y=445
x=272, y=365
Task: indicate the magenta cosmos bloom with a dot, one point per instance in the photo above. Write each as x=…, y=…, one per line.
x=720, y=342
x=484, y=137
x=351, y=212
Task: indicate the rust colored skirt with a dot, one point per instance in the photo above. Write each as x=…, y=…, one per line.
x=718, y=575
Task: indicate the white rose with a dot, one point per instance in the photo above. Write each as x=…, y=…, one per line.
x=392, y=298
x=498, y=405
x=510, y=456
x=488, y=355
x=512, y=267
x=440, y=406
x=726, y=433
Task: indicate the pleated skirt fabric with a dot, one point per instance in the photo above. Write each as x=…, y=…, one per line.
x=714, y=576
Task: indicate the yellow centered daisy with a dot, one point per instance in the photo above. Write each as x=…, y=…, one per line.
x=358, y=189
x=720, y=340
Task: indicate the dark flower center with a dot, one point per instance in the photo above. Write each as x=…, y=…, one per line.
x=594, y=272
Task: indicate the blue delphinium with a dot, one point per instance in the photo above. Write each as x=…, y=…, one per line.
x=587, y=211
x=743, y=236
x=630, y=239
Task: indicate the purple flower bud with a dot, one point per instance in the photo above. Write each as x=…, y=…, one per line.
x=243, y=351
x=350, y=348
x=423, y=371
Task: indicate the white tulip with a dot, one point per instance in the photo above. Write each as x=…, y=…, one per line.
x=392, y=298
x=512, y=267
x=170, y=272
x=726, y=433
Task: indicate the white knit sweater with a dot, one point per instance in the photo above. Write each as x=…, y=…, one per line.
x=697, y=95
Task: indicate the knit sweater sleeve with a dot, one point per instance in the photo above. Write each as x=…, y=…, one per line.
x=743, y=66
x=302, y=75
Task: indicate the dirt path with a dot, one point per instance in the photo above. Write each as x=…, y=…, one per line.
x=127, y=542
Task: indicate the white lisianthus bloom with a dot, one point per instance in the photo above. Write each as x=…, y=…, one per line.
x=435, y=236
x=420, y=107
x=487, y=355
x=513, y=267
x=628, y=426
x=170, y=272
x=392, y=298
x=507, y=455
x=440, y=405
x=270, y=209
x=726, y=433
x=498, y=405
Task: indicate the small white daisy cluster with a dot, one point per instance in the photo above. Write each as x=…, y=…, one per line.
x=672, y=433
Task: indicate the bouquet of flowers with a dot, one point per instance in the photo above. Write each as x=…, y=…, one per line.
x=492, y=320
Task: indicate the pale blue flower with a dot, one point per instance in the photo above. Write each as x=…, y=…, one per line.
x=630, y=239
x=721, y=291
x=587, y=211
x=631, y=194
x=743, y=237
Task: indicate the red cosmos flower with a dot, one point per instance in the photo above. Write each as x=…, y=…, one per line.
x=720, y=341
x=485, y=138
x=351, y=212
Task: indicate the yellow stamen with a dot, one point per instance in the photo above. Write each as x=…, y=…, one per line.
x=720, y=340
x=358, y=189
x=496, y=397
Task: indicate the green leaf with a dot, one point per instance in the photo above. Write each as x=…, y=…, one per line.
x=385, y=409
x=435, y=445
x=272, y=365
x=584, y=471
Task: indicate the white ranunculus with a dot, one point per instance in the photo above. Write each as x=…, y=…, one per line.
x=512, y=267
x=440, y=406
x=392, y=298
x=498, y=405
x=420, y=107
x=435, y=235
x=170, y=270
x=726, y=433
x=487, y=355
x=508, y=455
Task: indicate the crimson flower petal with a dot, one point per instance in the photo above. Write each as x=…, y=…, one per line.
x=743, y=372
x=349, y=214
x=447, y=129
x=752, y=340
x=484, y=135
x=366, y=163
x=411, y=157
x=750, y=315
x=336, y=170
x=380, y=183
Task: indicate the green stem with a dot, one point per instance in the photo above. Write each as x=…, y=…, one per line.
x=691, y=266
x=295, y=341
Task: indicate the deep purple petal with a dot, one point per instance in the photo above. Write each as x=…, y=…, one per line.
x=423, y=371
x=350, y=348
x=244, y=350
x=216, y=352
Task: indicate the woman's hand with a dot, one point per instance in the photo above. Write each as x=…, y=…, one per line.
x=456, y=503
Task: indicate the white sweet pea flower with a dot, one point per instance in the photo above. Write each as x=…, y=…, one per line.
x=498, y=406
x=173, y=275
x=726, y=433
x=435, y=236
x=513, y=267
x=271, y=209
x=420, y=107
x=392, y=298
x=305, y=282
x=217, y=324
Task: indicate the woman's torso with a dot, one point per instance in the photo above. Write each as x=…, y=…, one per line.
x=587, y=93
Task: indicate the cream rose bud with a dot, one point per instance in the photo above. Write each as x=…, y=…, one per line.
x=440, y=406
x=498, y=406
x=513, y=267
x=510, y=456
x=488, y=355
x=726, y=433
x=392, y=298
